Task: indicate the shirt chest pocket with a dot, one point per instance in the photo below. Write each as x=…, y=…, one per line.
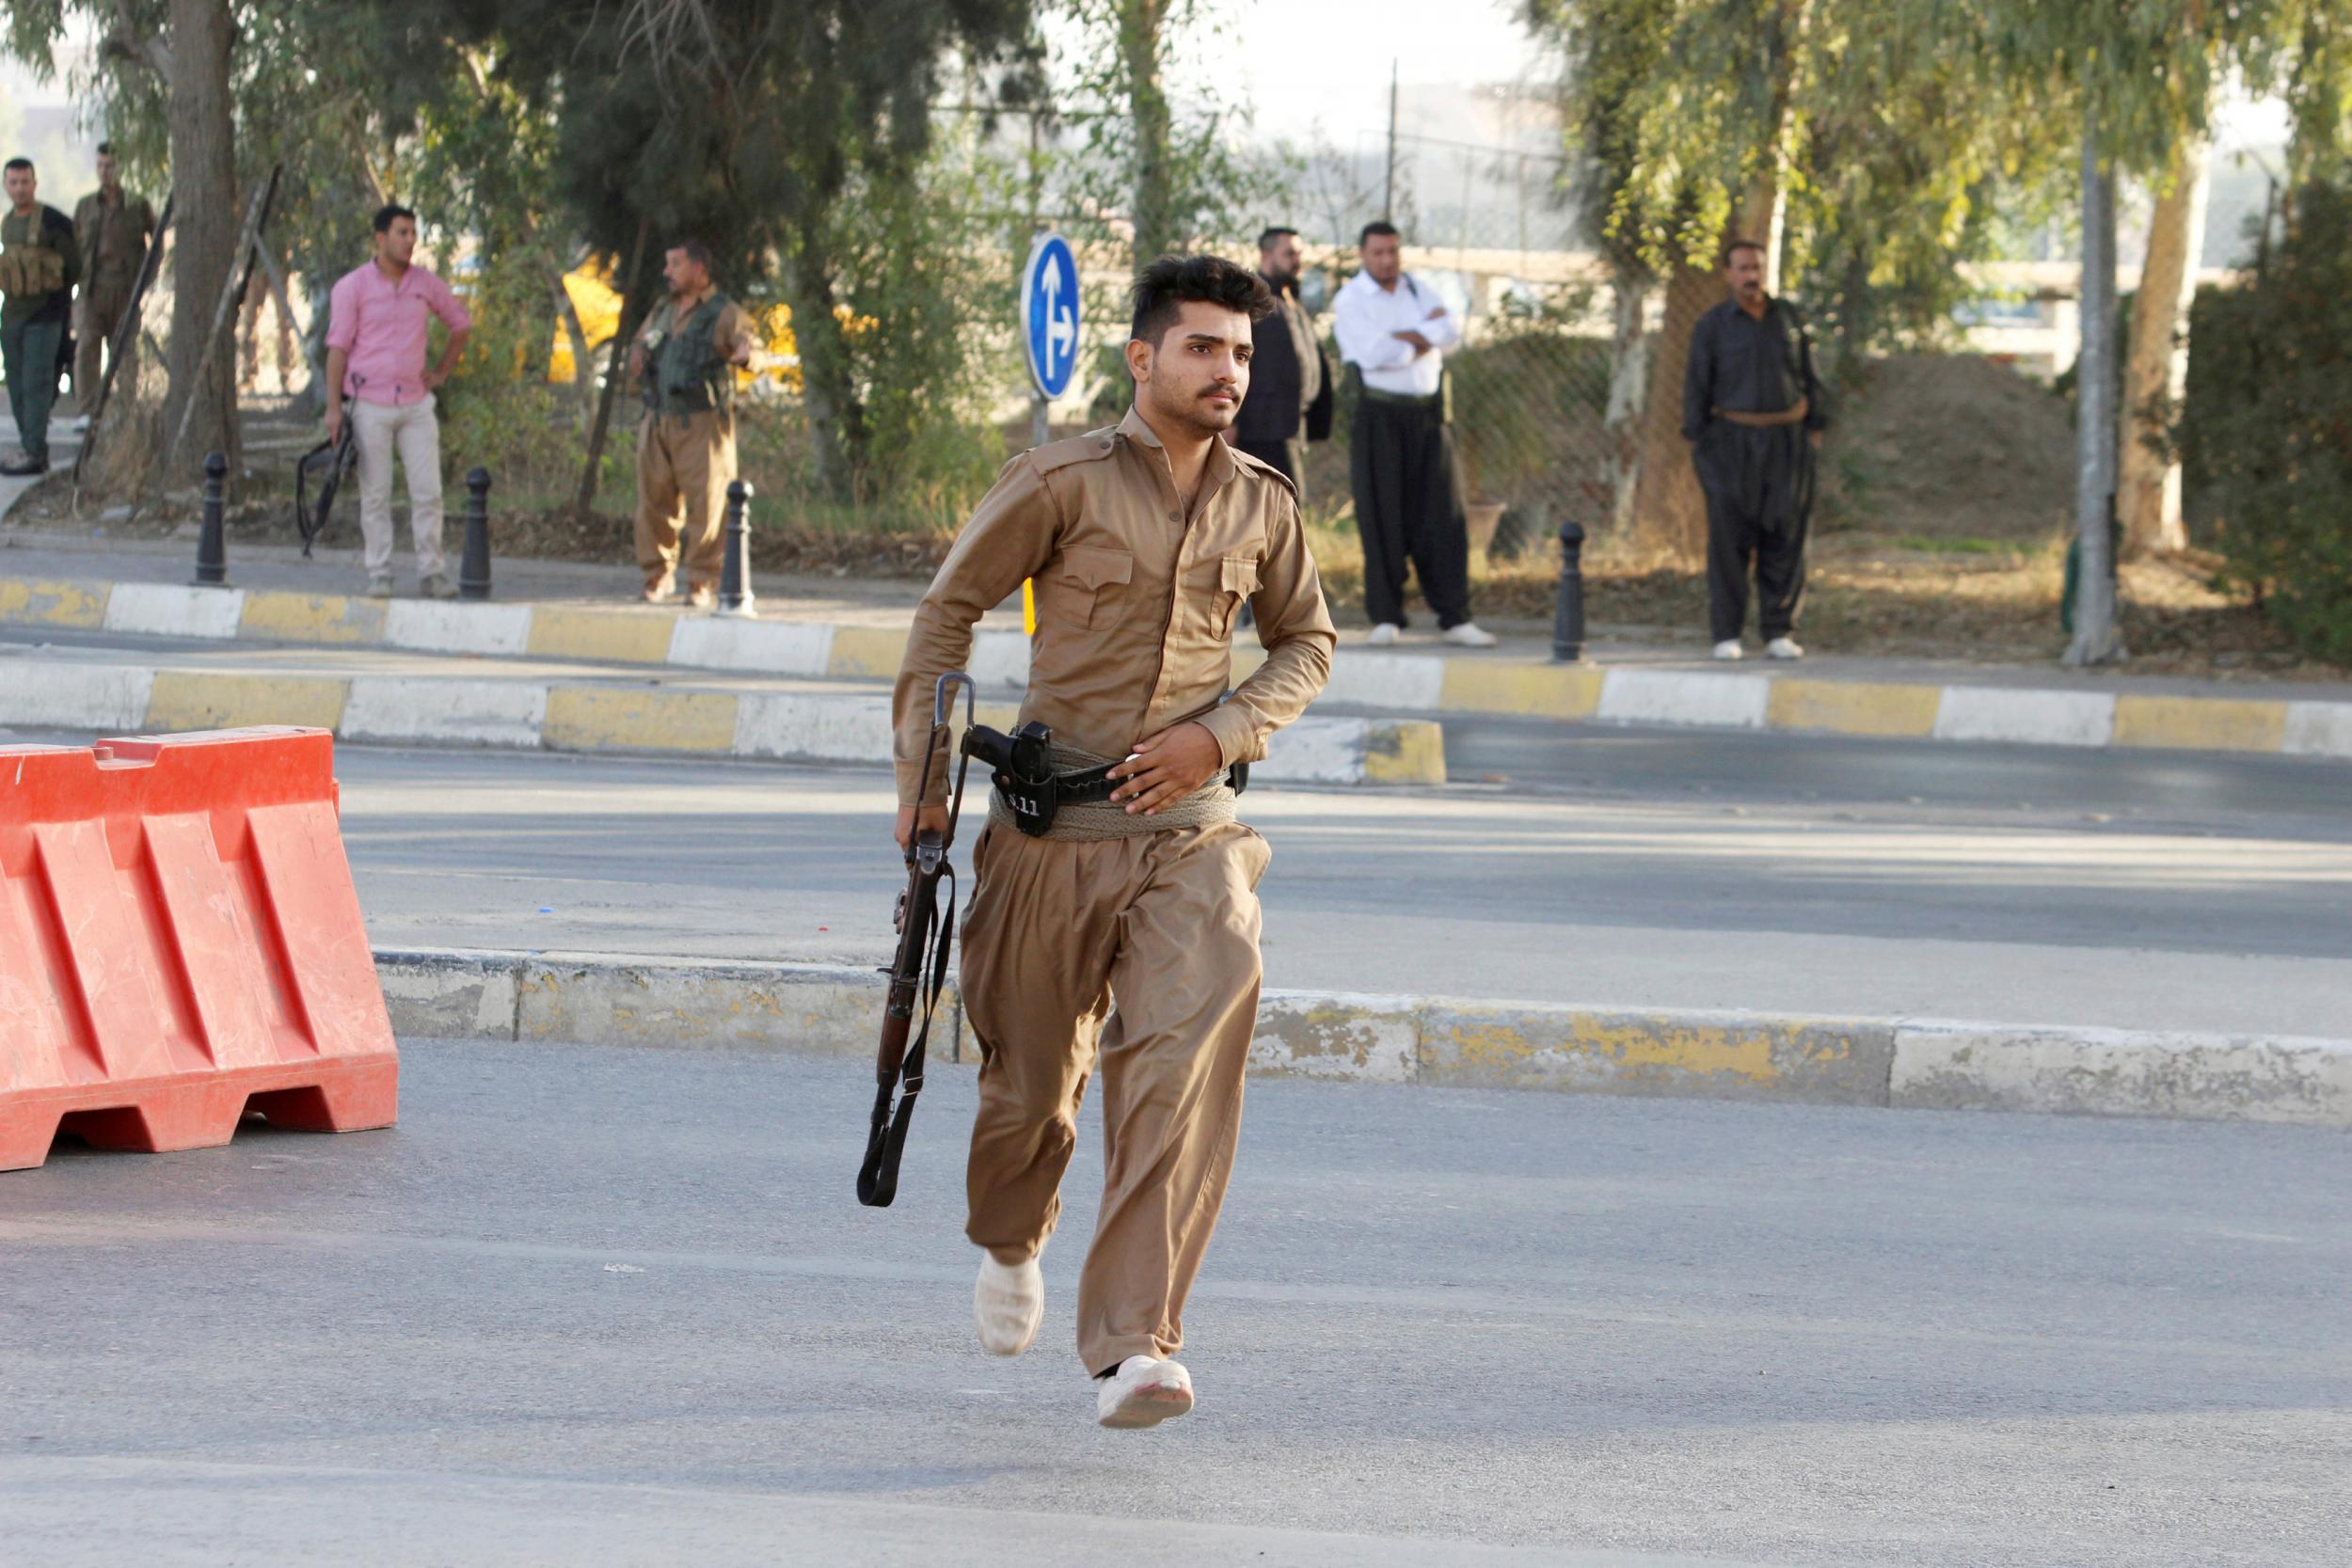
x=1093, y=582
x=1238, y=579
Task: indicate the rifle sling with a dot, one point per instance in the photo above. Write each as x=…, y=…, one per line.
x=878, y=1177
x=886, y=1138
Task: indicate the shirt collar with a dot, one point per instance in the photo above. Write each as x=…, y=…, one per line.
x=1220, y=464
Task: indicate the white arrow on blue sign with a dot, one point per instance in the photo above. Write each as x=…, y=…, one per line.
x=1049, y=313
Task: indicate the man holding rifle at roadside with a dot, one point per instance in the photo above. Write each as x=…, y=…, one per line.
x=1116, y=915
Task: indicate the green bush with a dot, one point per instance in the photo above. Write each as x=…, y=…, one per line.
x=2266, y=425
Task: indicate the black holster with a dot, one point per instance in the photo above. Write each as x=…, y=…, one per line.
x=1021, y=766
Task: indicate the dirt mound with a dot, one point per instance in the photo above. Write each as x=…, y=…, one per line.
x=1946, y=446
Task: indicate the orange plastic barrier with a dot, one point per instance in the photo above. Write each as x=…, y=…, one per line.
x=180, y=942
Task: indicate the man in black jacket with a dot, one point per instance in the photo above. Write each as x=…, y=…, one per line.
x=1751, y=412
x=1290, y=385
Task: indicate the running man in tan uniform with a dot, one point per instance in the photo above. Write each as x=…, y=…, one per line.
x=1128, y=934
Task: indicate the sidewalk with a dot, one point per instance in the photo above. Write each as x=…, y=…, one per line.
x=1336, y=1037
x=839, y=627
x=392, y=696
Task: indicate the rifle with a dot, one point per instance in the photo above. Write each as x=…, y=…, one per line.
x=919, y=971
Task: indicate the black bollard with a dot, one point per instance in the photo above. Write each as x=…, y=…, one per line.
x=1567, y=618
x=473, y=571
x=212, y=548
x=735, y=567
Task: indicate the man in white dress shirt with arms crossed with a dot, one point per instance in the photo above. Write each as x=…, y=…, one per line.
x=1408, y=504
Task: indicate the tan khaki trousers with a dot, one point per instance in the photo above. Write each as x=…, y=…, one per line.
x=414, y=432
x=684, y=462
x=1167, y=923
x=102, y=307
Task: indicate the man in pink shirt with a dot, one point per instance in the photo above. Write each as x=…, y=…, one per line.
x=378, y=317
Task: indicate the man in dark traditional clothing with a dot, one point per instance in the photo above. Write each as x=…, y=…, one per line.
x=1290, y=385
x=1752, y=411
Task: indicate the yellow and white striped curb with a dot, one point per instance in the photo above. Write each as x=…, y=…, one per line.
x=1389, y=681
x=593, y=999
x=578, y=716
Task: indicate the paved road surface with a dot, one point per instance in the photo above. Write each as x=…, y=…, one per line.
x=1651, y=870
x=599, y=1305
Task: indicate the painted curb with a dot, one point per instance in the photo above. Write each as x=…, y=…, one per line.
x=564, y=716
x=1402, y=683
x=1338, y=1036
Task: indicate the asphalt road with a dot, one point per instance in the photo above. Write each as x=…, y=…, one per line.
x=598, y=1305
x=1793, y=875
x=1590, y=865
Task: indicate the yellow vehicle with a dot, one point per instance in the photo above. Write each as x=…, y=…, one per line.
x=598, y=306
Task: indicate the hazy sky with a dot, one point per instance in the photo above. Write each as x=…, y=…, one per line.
x=1308, y=61
x=1301, y=64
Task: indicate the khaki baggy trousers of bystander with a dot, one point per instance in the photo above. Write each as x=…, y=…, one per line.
x=1167, y=924
x=684, y=462
x=101, y=309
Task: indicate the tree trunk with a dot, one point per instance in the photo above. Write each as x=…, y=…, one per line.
x=837, y=418
x=2096, y=640
x=2155, y=376
x=1629, y=374
x=630, y=321
x=1141, y=22
x=1669, y=509
x=204, y=174
x=576, y=336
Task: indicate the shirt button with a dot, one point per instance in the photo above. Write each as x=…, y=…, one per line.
x=1175, y=517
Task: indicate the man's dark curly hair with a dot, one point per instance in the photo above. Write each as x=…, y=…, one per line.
x=1168, y=284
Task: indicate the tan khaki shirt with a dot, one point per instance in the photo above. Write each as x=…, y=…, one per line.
x=113, y=236
x=1135, y=602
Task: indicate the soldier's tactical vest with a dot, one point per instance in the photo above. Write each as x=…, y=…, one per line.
x=689, y=373
x=30, y=268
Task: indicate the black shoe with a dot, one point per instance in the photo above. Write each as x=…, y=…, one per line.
x=24, y=467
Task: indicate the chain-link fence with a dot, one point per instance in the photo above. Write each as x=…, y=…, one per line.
x=1531, y=384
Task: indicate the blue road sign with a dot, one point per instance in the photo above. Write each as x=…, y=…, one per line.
x=1049, y=313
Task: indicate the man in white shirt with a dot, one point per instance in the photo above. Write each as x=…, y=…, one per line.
x=1408, y=504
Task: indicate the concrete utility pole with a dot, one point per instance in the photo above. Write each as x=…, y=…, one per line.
x=1388, y=193
x=2096, y=640
x=1041, y=407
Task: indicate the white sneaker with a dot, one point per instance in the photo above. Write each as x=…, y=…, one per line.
x=1143, y=1393
x=1384, y=634
x=1470, y=634
x=1729, y=649
x=1008, y=1304
x=379, y=585
x=1783, y=648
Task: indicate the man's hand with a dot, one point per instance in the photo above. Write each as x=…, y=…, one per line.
x=1434, y=313
x=933, y=819
x=743, y=346
x=1168, y=767
x=1420, y=344
x=434, y=377
x=334, y=420
x=1815, y=437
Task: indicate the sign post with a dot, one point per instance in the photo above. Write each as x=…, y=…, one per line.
x=1049, y=330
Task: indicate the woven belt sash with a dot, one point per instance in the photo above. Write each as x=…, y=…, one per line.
x=1404, y=399
x=1095, y=821
x=1767, y=421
